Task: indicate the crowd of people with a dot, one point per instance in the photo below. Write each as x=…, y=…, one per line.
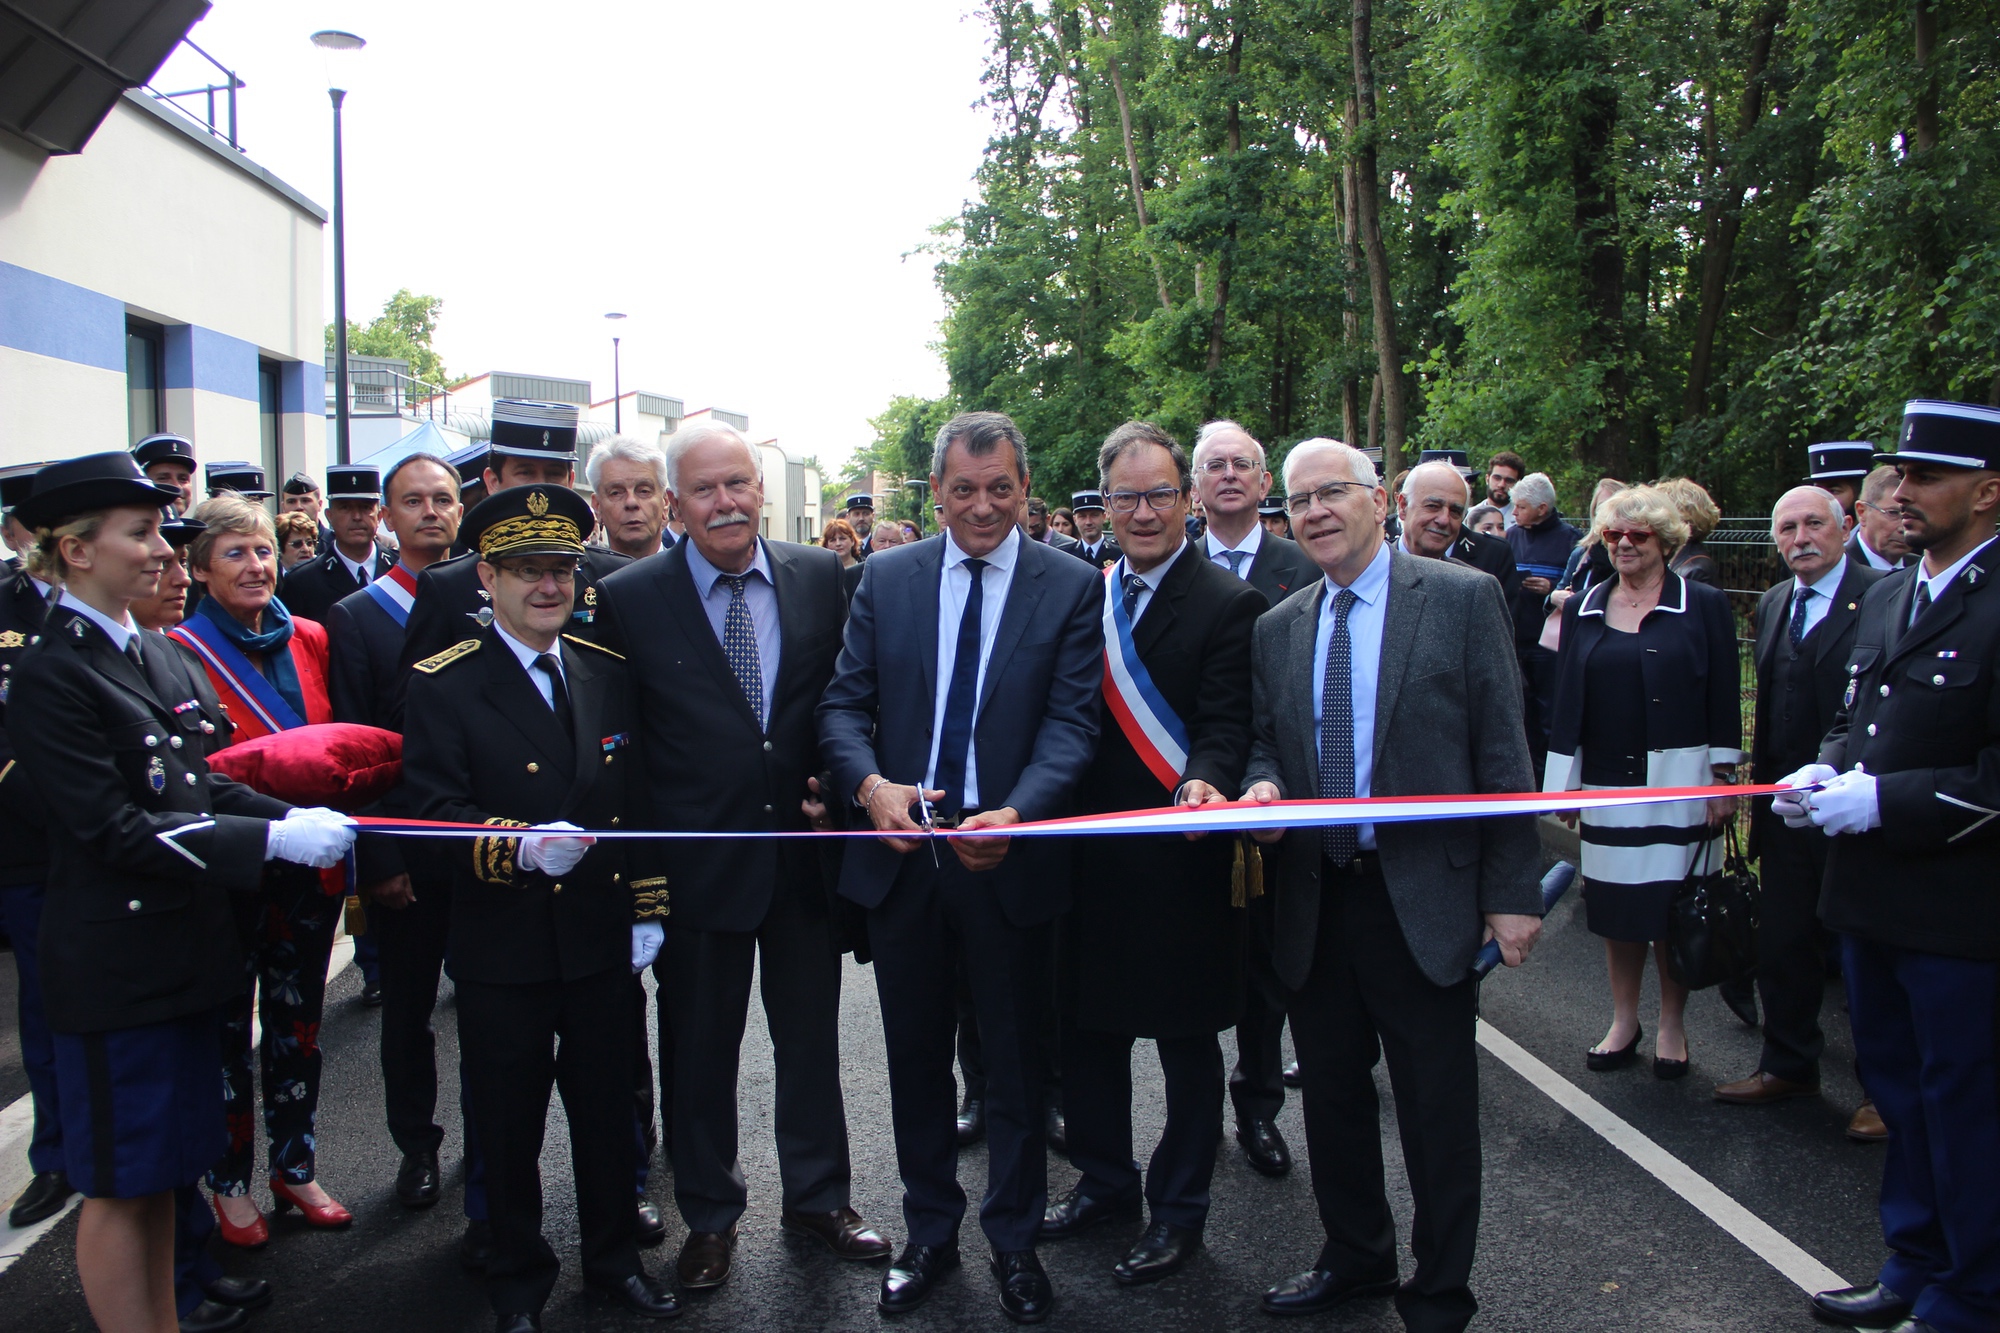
x=564, y=668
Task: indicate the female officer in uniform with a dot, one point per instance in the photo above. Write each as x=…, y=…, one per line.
x=138, y=943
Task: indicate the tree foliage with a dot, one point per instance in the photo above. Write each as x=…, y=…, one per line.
x=403, y=330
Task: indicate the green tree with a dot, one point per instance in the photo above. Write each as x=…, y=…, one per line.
x=403, y=330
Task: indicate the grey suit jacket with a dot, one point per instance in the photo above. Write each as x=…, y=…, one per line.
x=1447, y=720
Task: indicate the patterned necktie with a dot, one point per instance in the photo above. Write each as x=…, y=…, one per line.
x=1134, y=585
x=1799, y=617
x=558, y=692
x=739, y=645
x=1341, y=842
x=1923, y=600
x=1236, y=559
x=959, y=701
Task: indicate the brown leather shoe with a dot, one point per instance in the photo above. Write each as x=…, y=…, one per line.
x=704, y=1260
x=841, y=1231
x=1867, y=1126
x=1761, y=1087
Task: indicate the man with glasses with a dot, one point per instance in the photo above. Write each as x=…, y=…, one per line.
x=1878, y=540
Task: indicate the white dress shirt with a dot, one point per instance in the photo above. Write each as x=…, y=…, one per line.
x=528, y=656
x=1152, y=578
x=1823, y=588
x=1875, y=559
x=119, y=634
x=1365, y=621
x=362, y=572
x=1218, y=549
x=995, y=581
x=1941, y=583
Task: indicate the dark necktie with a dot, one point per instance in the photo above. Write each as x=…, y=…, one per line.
x=963, y=696
x=1341, y=842
x=1798, y=635
x=739, y=645
x=1236, y=559
x=558, y=692
x=1134, y=585
x=1923, y=600
x=132, y=651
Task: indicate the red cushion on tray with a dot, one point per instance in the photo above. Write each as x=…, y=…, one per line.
x=339, y=764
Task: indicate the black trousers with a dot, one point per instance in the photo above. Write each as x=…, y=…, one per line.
x=520, y=1041
x=707, y=975
x=1097, y=1110
x=972, y=1059
x=1257, y=1083
x=411, y=943
x=940, y=922
x=1791, y=950
x=1365, y=998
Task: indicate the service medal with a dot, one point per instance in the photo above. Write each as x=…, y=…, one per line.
x=156, y=774
x=1853, y=683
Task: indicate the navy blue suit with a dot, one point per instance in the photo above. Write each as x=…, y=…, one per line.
x=1034, y=732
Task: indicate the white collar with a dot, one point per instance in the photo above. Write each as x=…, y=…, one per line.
x=524, y=652
x=119, y=634
x=1001, y=557
x=362, y=570
x=1155, y=576
x=1599, y=596
x=1941, y=584
x=1252, y=541
x=1828, y=583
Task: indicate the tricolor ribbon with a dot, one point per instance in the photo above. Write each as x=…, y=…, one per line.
x=395, y=592
x=1142, y=713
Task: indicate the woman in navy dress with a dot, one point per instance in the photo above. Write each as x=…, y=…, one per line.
x=146, y=845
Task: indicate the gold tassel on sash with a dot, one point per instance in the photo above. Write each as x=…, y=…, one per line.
x=1246, y=875
x=356, y=916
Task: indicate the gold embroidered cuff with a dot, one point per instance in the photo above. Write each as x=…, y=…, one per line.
x=649, y=899
x=493, y=858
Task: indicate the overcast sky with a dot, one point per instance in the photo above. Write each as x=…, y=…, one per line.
x=743, y=180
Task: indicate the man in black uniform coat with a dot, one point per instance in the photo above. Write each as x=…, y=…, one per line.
x=301, y=495
x=168, y=460
x=1909, y=794
x=522, y=726
x=730, y=741
x=1153, y=944
x=533, y=444
x=1094, y=544
x=351, y=561
x=1805, y=630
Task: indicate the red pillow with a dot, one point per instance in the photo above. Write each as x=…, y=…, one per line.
x=339, y=764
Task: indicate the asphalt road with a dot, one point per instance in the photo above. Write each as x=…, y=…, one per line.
x=1574, y=1233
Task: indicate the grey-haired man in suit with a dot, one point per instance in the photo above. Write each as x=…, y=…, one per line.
x=1390, y=675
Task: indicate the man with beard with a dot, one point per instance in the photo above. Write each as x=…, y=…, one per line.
x=1503, y=470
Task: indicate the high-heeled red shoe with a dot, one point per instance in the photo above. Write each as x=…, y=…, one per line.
x=253, y=1237
x=332, y=1217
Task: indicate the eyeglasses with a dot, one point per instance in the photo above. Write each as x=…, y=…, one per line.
x=1886, y=511
x=534, y=574
x=1637, y=536
x=1215, y=467
x=1329, y=494
x=1159, y=500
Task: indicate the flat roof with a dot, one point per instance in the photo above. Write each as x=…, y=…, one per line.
x=194, y=133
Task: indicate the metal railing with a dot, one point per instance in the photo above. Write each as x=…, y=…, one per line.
x=378, y=391
x=208, y=92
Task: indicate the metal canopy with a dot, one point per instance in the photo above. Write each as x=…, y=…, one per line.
x=63, y=63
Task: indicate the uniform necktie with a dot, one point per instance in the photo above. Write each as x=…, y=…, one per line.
x=739, y=645
x=1923, y=600
x=1799, y=617
x=963, y=695
x=1341, y=842
x=1134, y=585
x=1236, y=559
x=558, y=692
x=132, y=651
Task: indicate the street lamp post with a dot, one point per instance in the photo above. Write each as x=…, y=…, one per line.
x=332, y=40
x=617, y=394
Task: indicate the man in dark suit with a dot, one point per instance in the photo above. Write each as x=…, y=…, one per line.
x=732, y=640
x=524, y=727
x=1153, y=945
x=1393, y=676
x=533, y=444
x=1805, y=631
x=1093, y=543
x=351, y=561
x=1231, y=480
x=1877, y=539
x=1909, y=783
x=1037, y=522
x=967, y=690
x=1432, y=504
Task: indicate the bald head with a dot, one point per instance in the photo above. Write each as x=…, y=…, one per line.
x=1432, y=506
x=1808, y=528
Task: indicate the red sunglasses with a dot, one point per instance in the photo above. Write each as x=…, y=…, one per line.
x=1638, y=537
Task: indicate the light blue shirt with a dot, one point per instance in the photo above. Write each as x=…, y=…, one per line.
x=117, y=633
x=1823, y=587
x=758, y=593
x=995, y=581
x=1364, y=631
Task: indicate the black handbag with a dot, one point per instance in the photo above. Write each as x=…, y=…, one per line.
x=1712, y=926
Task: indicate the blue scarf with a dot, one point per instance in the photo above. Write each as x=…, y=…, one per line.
x=266, y=649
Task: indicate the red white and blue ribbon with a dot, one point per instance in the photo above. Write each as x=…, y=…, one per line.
x=1156, y=732
x=395, y=592
x=239, y=677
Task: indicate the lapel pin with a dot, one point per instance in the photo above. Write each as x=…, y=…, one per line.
x=76, y=628
x=156, y=775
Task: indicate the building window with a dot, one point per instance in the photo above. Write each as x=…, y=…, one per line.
x=142, y=379
x=270, y=418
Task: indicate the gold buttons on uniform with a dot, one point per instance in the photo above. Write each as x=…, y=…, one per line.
x=614, y=821
x=558, y=888
x=617, y=878
x=607, y=758
x=534, y=768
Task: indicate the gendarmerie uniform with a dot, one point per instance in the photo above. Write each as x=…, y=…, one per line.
x=1833, y=463
x=244, y=479
x=167, y=448
x=138, y=941
x=539, y=958
x=310, y=589
x=1916, y=899
x=1106, y=552
x=300, y=484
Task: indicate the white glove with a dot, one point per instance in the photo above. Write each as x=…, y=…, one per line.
x=1847, y=804
x=1792, y=808
x=647, y=937
x=550, y=854
x=309, y=836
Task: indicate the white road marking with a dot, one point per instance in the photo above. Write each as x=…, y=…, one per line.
x=1757, y=1235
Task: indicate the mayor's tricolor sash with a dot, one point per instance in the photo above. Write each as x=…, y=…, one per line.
x=395, y=592
x=1156, y=732
x=238, y=680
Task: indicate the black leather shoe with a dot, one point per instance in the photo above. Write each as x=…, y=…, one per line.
x=44, y=1198
x=1316, y=1290
x=910, y=1279
x=1264, y=1146
x=475, y=1247
x=214, y=1317
x=518, y=1323
x=651, y=1228
x=1073, y=1213
x=1058, y=1132
x=1872, y=1306
x=417, y=1180
x=1291, y=1076
x=641, y=1293
x=1025, y=1294
x=1162, y=1252
x=1741, y=997
x=371, y=995
x=249, y=1293
x=1603, y=1062
x=971, y=1121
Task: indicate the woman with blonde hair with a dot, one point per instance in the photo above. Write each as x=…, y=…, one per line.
x=1693, y=562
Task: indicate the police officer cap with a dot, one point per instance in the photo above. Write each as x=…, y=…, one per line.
x=1949, y=434
x=1082, y=500
x=1272, y=506
x=179, y=530
x=353, y=481
x=528, y=429
x=164, y=448
x=1455, y=457
x=85, y=485
x=246, y=479
x=1835, y=459
x=17, y=486
x=528, y=520
x=300, y=484
x=860, y=502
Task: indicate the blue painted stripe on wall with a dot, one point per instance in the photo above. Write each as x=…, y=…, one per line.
x=221, y=364
x=302, y=387
x=59, y=319
x=177, y=357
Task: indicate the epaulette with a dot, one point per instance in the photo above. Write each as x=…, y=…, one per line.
x=430, y=666
x=586, y=643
